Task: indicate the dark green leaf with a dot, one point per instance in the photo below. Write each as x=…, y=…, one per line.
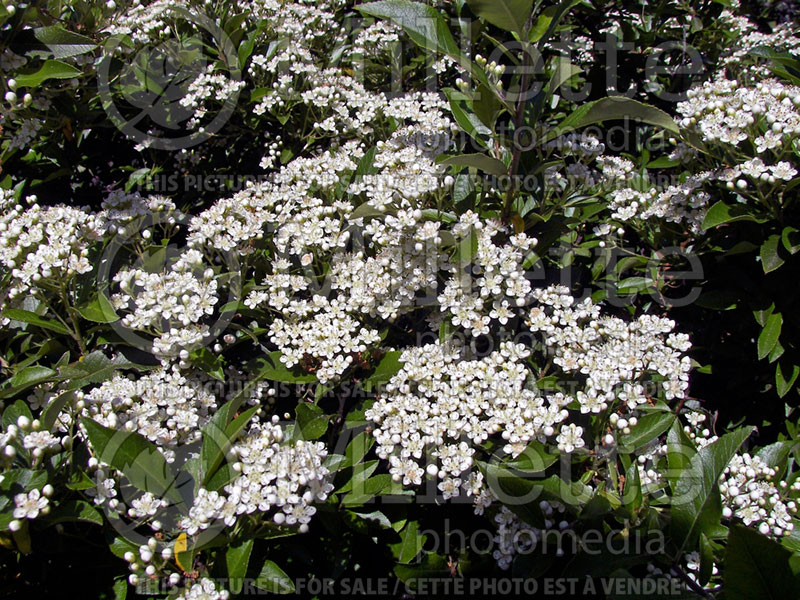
x=75, y=510
x=140, y=461
x=757, y=567
x=386, y=368
x=612, y=108
x=410, y=545
x=510, y=15
x=51, y=69
x=769, y=335
x=721, y=213
x=311, y=421
x=770, y=258
x=99, y=310
x=649, y=427
x=270, y=367
x=696, y=503
x=63, y=43
x=785, y=377
x=236, y=559
x=26, y=316
x=479, y=161
x=273, y=579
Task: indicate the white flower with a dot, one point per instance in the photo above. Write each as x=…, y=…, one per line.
x=28, y=506
x=570, y=438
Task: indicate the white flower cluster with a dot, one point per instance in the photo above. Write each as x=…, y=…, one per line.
x=311, y=221
x=376, y=39
x=747, y=37
x=276, y=475
x=749, y=493
x=496, y=284
x=440, y=405
x=203, y=589
x=25, y=133
x=148, y=22
x=42, y=243
x=619, y=359
x=723, y=111
x=167, y=407
x=209, y=85
x=169, y=304
x=120, y=209
x=514, y=536
x=323, y=329
x=685, y=203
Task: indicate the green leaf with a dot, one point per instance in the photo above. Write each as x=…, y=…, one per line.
x=311, y=421
x=30, y=376
x=120, y=589
x=75, y=510
x=218, y=435
x=99, y=310
x=775, y=455
x=140, y=460
x=770, y=260
x=236, y=559
x=612, y=108
x=522, y=494
x=19, y=409
x=790, y=237
x=785, y=377
x=706, y=559
x=432, y=567
x=564, y=71
x=461, y=188
x=270, y=367
x=547, y=22
x=273, y=579
x=533, y=459
x=633, y=285
x=366, y=211
x=367, y=489
x=387, y=367
x=360, y=474
x=63, y=43
x=720, y=213
x=663, y=162
x=466, y=249
x=26, y=316
x=632, y=493
x=96, y=367
x=51, y=69
x=769, y=335
x=209, y=362
x=357, y=449
x=649, y=427
x=479, y=161
x=757, y=567
x=22, y=480
x=696, y=503
x=510, y=15
x=468, y=121
x=410, y=545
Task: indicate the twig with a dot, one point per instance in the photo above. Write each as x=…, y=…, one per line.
x=693, y=585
